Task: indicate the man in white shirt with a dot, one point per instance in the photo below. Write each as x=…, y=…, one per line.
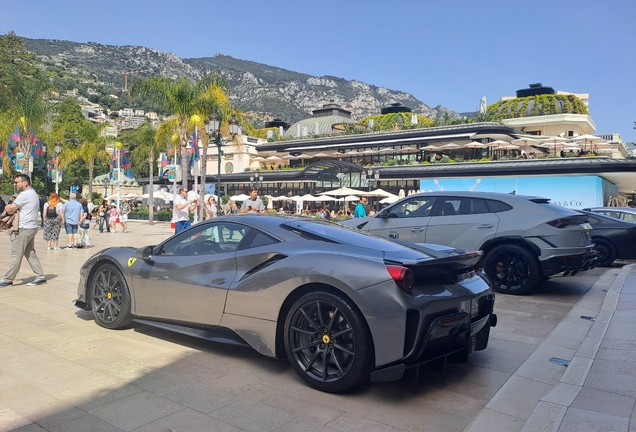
x=253, y=204
x=22, y=241
x=182, y=209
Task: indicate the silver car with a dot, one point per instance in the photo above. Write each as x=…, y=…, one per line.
x=342, y=306
x=524, y=239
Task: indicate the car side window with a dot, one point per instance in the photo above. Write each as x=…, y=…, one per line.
x=256, y=238
x=628, y=217
x=416, y=207
x=495, y=206
x=449, y=207
x=206, y=239
x=468, y=206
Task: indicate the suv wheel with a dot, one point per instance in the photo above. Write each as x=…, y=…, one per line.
x=512, y=269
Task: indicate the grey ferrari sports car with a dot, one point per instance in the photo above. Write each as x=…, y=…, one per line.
x=341, y=305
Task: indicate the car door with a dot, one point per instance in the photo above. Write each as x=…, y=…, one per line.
x=406, y=220
x=188, y=278
x=463, y=223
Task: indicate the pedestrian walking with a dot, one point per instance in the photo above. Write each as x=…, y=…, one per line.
x=123, y=215
x=53, y=221
x=182, y=209
x=211, y=208
x=113, y=214
x=23, y=240
x=72, y=214
x=84, y=238
x=104, y=216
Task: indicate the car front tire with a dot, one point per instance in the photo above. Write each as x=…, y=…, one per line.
x=110, y=299
x=606, y=252
x=512, y=269
x=327, y=342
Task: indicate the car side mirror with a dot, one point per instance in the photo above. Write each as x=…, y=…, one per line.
x=146, y=253
x=384, y=214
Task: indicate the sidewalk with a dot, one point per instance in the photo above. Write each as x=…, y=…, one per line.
x=597, y=390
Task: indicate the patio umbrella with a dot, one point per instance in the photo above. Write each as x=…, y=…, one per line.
x=475, y=145
x=343, y=191
x=554, y=142
x=336, y=155
x=321, y=155
x=273, y=158
x=387, y=150
x=525, y=142
x=259, y=159
x=351, y=198
x=240, y=197
x=304, y=156
x=389, y=200
x=289, y=157
x=351, y=153
x=588, y=139
x=325, y=198
x=369, y=152
x=451, y=146
x=308, y=197
x=280, y=198
x=431, y=148
x=379, y=192
x=408, y=149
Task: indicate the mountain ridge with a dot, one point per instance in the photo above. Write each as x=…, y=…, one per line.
x=266, y=90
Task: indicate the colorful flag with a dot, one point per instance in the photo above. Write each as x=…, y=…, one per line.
x=194, y=149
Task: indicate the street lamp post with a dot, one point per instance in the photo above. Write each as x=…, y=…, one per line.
x=105, y=183
x=58, y=150
x=369, y=176
x=213, y=129
x=257, y=180
x=118, y=147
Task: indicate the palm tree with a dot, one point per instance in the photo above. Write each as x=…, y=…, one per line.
x=92, y=149
x=180, y=98
x=148, y=140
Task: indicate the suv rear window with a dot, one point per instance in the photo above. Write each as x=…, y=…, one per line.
x=497, y=206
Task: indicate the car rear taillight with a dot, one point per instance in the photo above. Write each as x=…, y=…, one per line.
x=402, y=276
x=571, y=220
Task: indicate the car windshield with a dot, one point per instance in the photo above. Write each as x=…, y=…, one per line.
x=343, y=235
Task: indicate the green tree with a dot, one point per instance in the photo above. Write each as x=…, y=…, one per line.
x=91, y=150
x=14, y=59
x=68, y=122
x=180, y=98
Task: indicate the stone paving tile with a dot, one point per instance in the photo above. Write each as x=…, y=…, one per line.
x=577, y=420
x=85, y=424
x=317, y=412
x=518, y=397
x=493, y=421
x=409, y=416
x=11, y=420
x=251, y=416
x=202, y=398
x=604, y=402
x=134, y=411
x=187, y=420
x=348, y=422
x=299, y=424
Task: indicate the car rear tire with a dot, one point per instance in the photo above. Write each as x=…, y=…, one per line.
x=512, y=269
x=110, y=299
x=606, y=252
x=328, y=342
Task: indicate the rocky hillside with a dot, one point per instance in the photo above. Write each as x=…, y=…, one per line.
x=264, y=90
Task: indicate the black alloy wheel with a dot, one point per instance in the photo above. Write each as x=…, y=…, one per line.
x=110, y=300
x=328, y=342
x=606, y=252
x=512, y=269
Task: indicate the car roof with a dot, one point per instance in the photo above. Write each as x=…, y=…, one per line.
x=473, y=194
x=616, y=209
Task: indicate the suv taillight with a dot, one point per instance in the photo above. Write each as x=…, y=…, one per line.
x=402, y=276
x=572, y=220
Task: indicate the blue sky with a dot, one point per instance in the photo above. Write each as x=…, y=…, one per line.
x=447, y=53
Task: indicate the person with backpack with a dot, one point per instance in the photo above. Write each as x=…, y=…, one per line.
x=53, y=221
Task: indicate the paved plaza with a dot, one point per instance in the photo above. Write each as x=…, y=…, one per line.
x=59, y=371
